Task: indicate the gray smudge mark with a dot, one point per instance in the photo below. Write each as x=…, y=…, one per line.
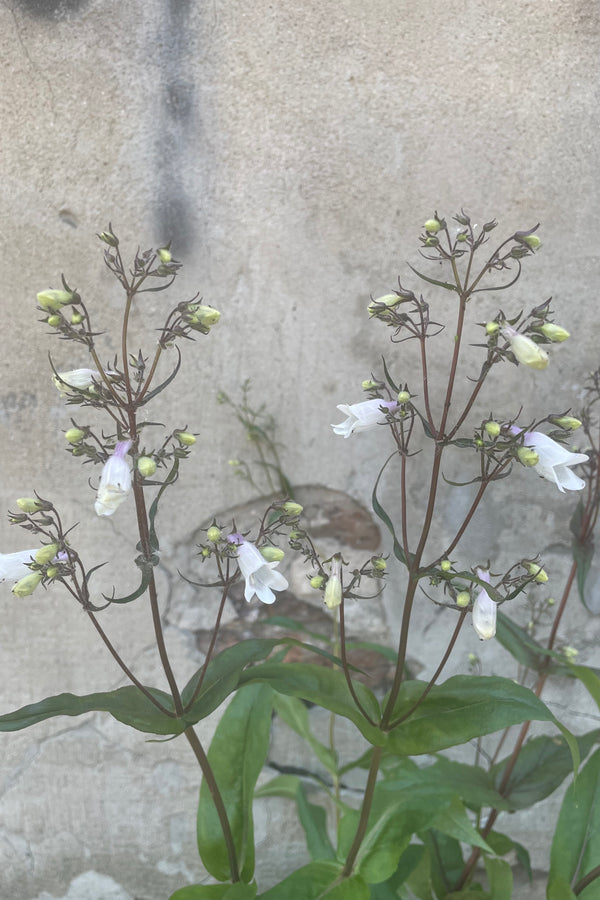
x=51, y=9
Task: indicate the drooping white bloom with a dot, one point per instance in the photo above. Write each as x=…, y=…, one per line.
x=362, y=416
x=115, y=481
x=554, y=460
x=525, y=350
x=258, y=573
x=484, y=610
x=13, y=566
x=333, y=589
x=76, y=379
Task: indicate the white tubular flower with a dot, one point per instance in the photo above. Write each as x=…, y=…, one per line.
x=362, y=416
x=13, y=566
x=554, y=460
x=76, y=380
x=525, y=350
x=333, y=589
x=484, y=610
x=115, y=481
x=258, y=573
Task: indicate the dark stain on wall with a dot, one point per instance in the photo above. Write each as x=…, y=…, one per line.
x=51, y=9
x=174, y=206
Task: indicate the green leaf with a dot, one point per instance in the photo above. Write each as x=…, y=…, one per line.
x=589, y=679
x=576, y=845
x=542, y=765
x=559, y=889
x=237, y=754
x=583, y=551
x=327, y=687
x=462, y=708
x=280, y=786
x=473, y=784
x=295, y=715
x=126, y=704
x=455, y=822
x=222, y=676
x=524, y=648
x=170, y=479
x=380, y=511
x=500, y=878
x=408, y=862
x=501, y=844
x=237, y=891
x=307, y=883
x=444, y=284
x=313, y=819
x=446, y=860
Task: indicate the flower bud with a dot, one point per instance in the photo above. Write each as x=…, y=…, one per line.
x=432, y=226
x=51, y=571
x=28, y=504
x=109, y=238
x=185, y=438
x=403, y=397
x=213, y=534
x=569, y=423
x=533, y=569
x=445, y=565
x=74, y=435
x=554, y=332
x=528, y=456
x=379, y=563
x=463, y=598
x=381, y=304
x=201, y=316
x=492, y=428
x=333, y=589
x=54, y=321
x=205, y=552
x=371, y=385
x=532, y=241
x=492, y=328
x=570, y=653
x=76, y=318
x=53, y=300
x=46, y=554
x=272, y=554
x=550, y=601
x=27, y=585
x=525, y=350
x=164, y=254
x=292, y=509
x=316, y=582
x=146, y=466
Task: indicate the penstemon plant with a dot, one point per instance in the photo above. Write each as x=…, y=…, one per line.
x=424, y=826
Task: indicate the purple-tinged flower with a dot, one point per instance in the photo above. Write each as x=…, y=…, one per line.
x=484, y=610
x=554, y=460
x=362, y=416
x=258, y=573
x=524, y=349
x=115, y=481
x=14, y=566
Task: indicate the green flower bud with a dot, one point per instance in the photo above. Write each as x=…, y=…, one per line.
x=461, y=237
x=27, y=585
x=432, y=226
x=569, y=423
x=492, y=428
x=146, y=466
x=164, y=254
x=28, y=504
x=382, y=304
x=213, y=534
x=76, y=318
x=403, y=397
x=554, y=332
x=53, y=300
x=46, y=554
x=371, y=385
x=292, y=509
x=316, y=582
x=197, y=314
x=51, y=572
x=431, y=241
x=533, y=569
x=570, y=653
x=185, y=438
x=54, y=321
x=205, y=552
x=463, y=598
x=74, y=435
x=109, y=238
x=492, y=328
x=528, y=456
x=532, y=241
x=550, y=601
x=272, y=554
x=379, y=564
x=445, y=565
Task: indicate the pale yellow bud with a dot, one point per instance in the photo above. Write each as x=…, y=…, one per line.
x=569, y=423
x=27, y=585
x=164, y=254
x=492, y=328
x=403, y=397
x=532, y=241
x=445, y=565
x=146, y=466
x=53, y=300
x=432, y=226
x=528, y=456
x=213, y=534
x=185, y=438
x=492, y=428
x=28, y=504
x=74, y=435
x=272, y=554
x=533, y=569
x=46, y=554
x=292, y=509
x=463, y=598
x=554, y=332
x=316, y=582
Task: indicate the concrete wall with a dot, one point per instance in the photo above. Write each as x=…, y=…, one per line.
x=291, y=152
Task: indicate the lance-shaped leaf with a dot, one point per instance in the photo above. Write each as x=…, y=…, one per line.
x=318, y=881
x=380, y=511
x=462, y=708
x=237, y=754
x=237, y=891
x=583, y=550
x=576, y=845
x=127, y=704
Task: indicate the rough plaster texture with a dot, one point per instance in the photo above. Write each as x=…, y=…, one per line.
x=291, y=151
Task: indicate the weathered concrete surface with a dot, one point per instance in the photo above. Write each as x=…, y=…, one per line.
x=291, y=151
